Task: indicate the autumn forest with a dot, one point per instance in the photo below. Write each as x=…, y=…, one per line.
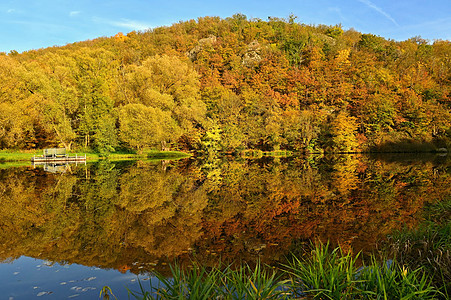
x=226, y=85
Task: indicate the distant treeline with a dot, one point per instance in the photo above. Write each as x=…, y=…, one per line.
x=227, y=85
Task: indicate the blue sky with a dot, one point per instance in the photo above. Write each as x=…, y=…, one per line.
x=32, y=24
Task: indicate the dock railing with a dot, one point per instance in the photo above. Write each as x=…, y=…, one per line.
x=57, y=155
x=55, y=152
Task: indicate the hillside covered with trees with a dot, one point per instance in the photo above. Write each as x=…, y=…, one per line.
x=228, y=85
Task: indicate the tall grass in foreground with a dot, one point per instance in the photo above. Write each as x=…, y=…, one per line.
x=325, y=274
x=428, y=246
x=336, y=275
x=198, y=283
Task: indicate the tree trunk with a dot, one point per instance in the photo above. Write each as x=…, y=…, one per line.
x=67, y=145
x=163, y=146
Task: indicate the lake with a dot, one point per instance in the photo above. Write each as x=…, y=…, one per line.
x=67, y=232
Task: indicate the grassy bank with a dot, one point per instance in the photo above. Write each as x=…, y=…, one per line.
x=167, y=154
x=325, y=274
x=252, y=153
x=22, y=156
x=153, y=154
x=11, y=156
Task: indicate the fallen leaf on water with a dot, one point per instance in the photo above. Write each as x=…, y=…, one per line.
x=74, y=295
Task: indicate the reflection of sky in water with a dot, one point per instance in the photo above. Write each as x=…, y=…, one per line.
x=27, y=278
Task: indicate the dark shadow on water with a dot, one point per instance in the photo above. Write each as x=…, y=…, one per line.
x=410, y=146
x=407, y=151
x=412, y=157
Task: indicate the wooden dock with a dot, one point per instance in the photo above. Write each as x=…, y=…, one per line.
x=65, y=159
x=57, y=155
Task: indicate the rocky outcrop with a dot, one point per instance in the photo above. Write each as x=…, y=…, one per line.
x=201, y=44
x=252, y=57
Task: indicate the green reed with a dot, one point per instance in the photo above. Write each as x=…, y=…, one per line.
x=428, y=246
x=324, y=274
x=198, y=283
x=389, y=280
x=259, y=282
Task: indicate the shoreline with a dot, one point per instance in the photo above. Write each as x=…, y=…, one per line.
x=27, y=155
x=7, y=156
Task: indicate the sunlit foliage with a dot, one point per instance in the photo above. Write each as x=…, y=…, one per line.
x=268, y=85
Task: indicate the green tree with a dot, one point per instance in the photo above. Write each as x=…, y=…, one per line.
x=95, y=69
x=378, y=113
x=60, y=104
x=170, y=87
x=142, y=127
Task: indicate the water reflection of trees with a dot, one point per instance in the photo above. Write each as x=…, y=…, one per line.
x=133, y=215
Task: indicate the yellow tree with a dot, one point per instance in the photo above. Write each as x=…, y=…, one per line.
x=16, y=105
x=344, y=129
x=170, y=86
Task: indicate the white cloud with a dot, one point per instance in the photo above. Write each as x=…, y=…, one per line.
x=10, y=11
x=124, y=23
x=431, y=30
x=42, y=26
x=131, y=24
x=74, y=13
x=338, y=12
x=379, y=10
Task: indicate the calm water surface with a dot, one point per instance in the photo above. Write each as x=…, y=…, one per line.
x=67, y=233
